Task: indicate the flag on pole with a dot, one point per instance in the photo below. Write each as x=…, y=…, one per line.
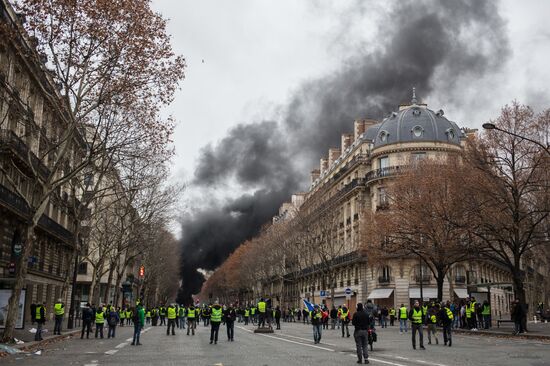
x=308, y=305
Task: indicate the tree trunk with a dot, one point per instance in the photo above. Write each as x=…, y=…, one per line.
x=20, y=277
x=93, y=285
x=109, y=280
x=440, y=278
x=519, y=289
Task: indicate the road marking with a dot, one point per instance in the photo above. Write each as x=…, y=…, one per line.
x=121, y=345
x=130, y=339
x=111, y=352
x=288, y=340
x=382, y=361
x=306, y=339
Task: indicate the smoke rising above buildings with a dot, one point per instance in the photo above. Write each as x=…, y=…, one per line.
x=435, y=46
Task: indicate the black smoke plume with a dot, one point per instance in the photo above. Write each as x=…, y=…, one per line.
x=435, y=46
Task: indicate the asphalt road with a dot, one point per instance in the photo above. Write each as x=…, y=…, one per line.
x=293, y=345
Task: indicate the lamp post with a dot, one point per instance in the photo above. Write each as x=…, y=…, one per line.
x=492, y=126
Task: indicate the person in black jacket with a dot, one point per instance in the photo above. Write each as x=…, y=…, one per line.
x=229, y=316
x=362, y=322
x=87, y=318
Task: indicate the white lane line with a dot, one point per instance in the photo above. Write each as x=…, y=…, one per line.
x=121, y=345
x=382, y=361
x=429, y=363
x=401, y=358
x=288, y=340
x=306, y=339
x=130, y=339
x=111, y=352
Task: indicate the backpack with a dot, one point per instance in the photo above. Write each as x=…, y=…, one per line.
x=135, y=316
x=112, y=319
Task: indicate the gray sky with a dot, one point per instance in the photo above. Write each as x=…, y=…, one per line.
x=247, y=57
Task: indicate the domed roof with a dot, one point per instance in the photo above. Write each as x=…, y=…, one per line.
x=414, y=123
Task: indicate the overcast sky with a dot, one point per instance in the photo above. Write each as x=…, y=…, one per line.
x=246, y=56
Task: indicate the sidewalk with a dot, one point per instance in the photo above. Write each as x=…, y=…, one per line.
x=27, y=337
x=535, y=331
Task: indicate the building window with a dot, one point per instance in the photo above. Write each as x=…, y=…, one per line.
x=383, y=162
x=383, y=136
x=384, y=274
x=450, y=134
x=83, y=268
x=417, y=157
x=382, y=197
x=417, y=131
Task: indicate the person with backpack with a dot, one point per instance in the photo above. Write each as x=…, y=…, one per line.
x=112, y=320
x=446, y=319
x=362, y=322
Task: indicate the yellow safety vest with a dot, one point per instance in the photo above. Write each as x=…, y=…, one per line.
x=171, y=313
x=403, y=313
x=59, y=309
x=246, y=313
x=191, y=313
x=344, y=315
x=392, y=312
x=417, y=316
x=38, y=316
x=261, y=306
x=433, y=319
x=99, y=319
x=216, y=316
x=449, y=314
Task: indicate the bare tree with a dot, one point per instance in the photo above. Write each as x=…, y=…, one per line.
x=104, y=57
x=508, y=195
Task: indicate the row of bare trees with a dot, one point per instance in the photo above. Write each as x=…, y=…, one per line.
x=113, y=69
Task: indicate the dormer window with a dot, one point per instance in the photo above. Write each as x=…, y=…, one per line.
x=383, y=136
x=450, y=134
x=417, y=131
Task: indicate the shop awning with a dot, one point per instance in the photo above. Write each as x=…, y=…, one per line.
x=380, y=293
x=427, y=292
x=462, y=293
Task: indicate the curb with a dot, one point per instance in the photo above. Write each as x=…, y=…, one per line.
x=503, y=335
x=27, y=346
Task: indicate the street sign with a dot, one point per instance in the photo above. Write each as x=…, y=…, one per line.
x=348, y=293
x=323, y=293
x=17, y=249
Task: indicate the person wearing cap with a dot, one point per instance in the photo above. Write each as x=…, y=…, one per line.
x=59, y=309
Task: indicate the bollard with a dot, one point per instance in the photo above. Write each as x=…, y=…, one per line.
x=535, y=319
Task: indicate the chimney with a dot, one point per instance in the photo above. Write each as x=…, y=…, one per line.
x=333, y=154
x=324, y=165
x=347, y=140
x=315, y=173
x=361, y=125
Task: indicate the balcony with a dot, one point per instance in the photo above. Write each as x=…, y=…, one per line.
x=425, y=278
x=10, y=141
x=384, y=280
x=13, y=201
x=55, y=229
x=460, y=279
x=384, y=173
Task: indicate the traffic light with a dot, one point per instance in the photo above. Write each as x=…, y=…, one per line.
x=141, y=271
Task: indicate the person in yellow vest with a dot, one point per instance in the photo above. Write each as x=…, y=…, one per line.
x=316, y=321
x=403, y=319
x=215, y=320
x=40, y=317
x=392, y=316
x=432, y=323
x=59, y=309
x=262, y=306
x=416, y=316
x=148, y=317
x=486, y=313
x=181, y=316
x=253, y=314
x=345, y=319
x=171, y=315
x=446, y=318
x=191, y=319
x=246, y=315
x=99, y=321
x=473, y=313
x=129, y=315
x=122, y=316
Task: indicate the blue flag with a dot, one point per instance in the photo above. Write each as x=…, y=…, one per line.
x=308, y=305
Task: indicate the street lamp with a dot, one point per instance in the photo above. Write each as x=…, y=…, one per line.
x=492, y=126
